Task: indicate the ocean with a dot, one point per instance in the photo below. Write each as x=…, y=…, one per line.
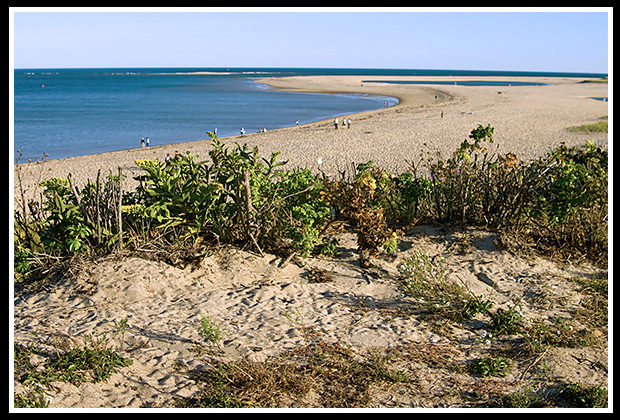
x=75, y=112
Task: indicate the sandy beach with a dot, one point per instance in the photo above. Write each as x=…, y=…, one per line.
x=265, y=309
x=529, y=121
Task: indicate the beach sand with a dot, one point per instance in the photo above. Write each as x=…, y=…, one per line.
x=528, y=120
x=264, y=310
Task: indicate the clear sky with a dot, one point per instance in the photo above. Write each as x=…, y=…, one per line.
x=557, y=40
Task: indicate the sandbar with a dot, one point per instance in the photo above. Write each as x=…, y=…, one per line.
x=528, y=120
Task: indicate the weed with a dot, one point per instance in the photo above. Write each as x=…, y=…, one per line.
x=209, y=330
x=488, y=366
x=93, y=362
x=426, y=280
x=330, y=375
x=578, y=395
x=359, y=201
x=524, y=398
x=506, y=321
x=569, y=395
x=557, y=332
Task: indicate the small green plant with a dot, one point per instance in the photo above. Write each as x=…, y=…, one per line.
x=489, y=366
x=181, y=197
x=578, y=395
x=67, y=228
x=506, y=321
x=422, y=275
x=92, y=362
x=209, y=330
x=408, y=197
x=302, y=211
x=567, y=395
x=121, y=327
x=524, y=398
x=476, y=305
x=31, y=400
x=426, y=280
x=328, y=246
x=557, y=332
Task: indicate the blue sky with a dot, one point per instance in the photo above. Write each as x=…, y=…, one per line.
x=561, y=40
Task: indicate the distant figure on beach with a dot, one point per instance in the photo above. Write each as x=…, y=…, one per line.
x=167, y=160
x=215, y=132
x=148, y=142
x=336, y=123
x=297, y=122
x=348, y=122
x=386, y=103
x=242, y=131
x=142, y=142
x=442, y=115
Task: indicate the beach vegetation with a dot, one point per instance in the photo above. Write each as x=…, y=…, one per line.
x=237, y=197
x=579, y=395
x=599, y=80
x=184, y=206
x=209, y=329
x=361, y=202
x=569, y=394
x=94, y=361
x=490, y=366
x=597, y=127
x=427, y=281
x=507, y=321
x=329, y=375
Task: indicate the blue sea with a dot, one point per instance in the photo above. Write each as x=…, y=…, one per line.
x=75, y=112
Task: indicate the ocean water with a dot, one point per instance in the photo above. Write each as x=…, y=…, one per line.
x=74, y=112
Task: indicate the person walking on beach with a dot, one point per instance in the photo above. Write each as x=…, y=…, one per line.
x=148, y=142
x=336, y=123
x=348, y=122
x=142, y=142
x=242, y=130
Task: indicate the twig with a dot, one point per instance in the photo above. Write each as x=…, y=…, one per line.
x=249, y=209
x=97, y=205
x=79, y=202
x=535, y=361
x=119, y=215
x=288, y=259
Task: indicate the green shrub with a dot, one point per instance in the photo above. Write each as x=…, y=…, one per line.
x=560, y=201
x=570, y=207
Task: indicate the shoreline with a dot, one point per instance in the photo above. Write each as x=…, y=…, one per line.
x=528, y=120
